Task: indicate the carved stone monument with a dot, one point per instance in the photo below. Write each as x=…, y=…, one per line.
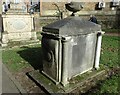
x=70, y=55
x=70, y=47
x=17, y=25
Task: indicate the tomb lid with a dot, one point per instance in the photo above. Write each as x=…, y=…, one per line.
x=71, y=26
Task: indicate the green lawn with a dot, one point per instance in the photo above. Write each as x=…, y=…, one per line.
x=110, y=49
x=111, y=30
x=19, y=58
x=111, y=85
x=13, y=60
x=110, y=58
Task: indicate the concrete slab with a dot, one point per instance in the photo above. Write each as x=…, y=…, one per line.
x=8, y=86
x=9, y=83
x=74, y=83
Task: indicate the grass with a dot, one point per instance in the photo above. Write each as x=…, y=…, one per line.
x=111, y=30
x=110, y=58
x=19, y=58
x=110, y=51
x=13, y=60
x=111, y=85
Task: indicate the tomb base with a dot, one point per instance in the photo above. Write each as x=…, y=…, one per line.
x=78, y=82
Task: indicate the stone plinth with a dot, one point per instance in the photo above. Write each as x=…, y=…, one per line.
x=17, y=8
x=77, y=84
x=18, y=27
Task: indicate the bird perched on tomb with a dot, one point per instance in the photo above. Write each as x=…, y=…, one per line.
x=74, y=7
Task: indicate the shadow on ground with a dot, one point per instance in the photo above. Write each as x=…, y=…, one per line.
x=33, y=56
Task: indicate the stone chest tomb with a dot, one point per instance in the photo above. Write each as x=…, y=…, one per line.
x=17, y=25
x=70, y=46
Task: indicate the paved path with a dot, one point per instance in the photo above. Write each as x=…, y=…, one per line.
x=9, y=84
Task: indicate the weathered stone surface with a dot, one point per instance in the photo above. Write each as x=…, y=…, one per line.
x=79, y=81
x=17, y=22
x=18, y=27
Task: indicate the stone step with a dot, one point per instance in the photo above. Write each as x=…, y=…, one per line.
x=18, y=6
x=16, y=11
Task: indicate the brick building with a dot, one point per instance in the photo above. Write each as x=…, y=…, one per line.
x=46, y=7
x=106, y=14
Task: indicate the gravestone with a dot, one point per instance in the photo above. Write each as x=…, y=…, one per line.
x=17, y=25
x=70, y=47
x=70, y=55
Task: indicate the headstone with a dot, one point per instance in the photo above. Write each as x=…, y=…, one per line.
x=17, y=25
x=70, y=47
